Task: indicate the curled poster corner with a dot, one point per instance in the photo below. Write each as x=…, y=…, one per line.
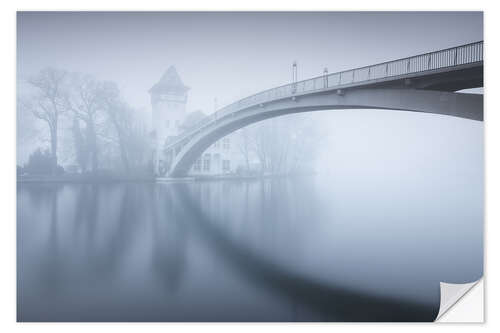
x=451, y=293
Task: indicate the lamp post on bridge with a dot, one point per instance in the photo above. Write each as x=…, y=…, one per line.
x=294, y=77
x=325, y=77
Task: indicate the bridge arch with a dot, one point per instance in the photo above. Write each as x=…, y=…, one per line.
x=468, y=106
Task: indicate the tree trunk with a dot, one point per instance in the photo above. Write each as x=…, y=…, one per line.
x=92, y=140
x=81, y=148
x=53, y=147
x=123, y=151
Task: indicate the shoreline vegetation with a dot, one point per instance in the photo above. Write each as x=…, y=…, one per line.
x=98, y=178
x=78, y=128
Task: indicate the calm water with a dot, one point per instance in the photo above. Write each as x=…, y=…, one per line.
x=302, y=249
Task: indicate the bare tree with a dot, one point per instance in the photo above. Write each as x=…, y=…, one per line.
x=81, y=149
x=271, y=144
x=131, y=135
x=245, y=146
x=49, y=103
x=281, y=145
x=138, y=144
x=86, y=105
x=29, y=130
x=118, y=113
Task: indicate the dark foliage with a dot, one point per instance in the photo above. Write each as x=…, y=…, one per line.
x=40, y=163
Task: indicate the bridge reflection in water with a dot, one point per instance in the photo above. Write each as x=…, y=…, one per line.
x=224, y=251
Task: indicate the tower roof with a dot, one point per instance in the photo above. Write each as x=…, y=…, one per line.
x=169, y=82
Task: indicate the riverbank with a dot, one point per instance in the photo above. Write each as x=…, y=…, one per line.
x=249, y=177
x=82, y=178
x=90, y=178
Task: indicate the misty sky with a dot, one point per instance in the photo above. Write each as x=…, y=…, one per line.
x=227, y=55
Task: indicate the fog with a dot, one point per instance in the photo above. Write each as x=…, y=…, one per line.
x=225, y=56
x=372, y=202
x=228, y=55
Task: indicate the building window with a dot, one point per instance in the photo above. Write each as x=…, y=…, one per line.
x=225, y=143
x=225, y=165
x=216, y=144
x=206, y=162
x=167, y=123
x=197, y=165
x=177, y=123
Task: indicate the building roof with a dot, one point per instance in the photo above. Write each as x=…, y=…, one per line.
x=169, y=82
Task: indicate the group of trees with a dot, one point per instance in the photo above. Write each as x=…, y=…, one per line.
x=88, y=122
x=278, y=146
x=97, y=125
x=281, y=145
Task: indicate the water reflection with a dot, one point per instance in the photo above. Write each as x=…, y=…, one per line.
x=333, y=303
x=168, y=240
x=210, y=251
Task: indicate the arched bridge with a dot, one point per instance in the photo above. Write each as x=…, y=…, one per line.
x=422, y=83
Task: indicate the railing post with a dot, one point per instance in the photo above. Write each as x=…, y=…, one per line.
x=469, y=53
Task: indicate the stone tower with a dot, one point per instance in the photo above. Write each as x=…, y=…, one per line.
x=168, y=101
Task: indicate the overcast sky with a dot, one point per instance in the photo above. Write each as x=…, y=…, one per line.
x=227, y=55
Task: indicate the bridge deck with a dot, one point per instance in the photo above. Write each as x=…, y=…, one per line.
x=440, y=64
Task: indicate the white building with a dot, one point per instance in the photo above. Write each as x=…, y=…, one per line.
x=168, y=101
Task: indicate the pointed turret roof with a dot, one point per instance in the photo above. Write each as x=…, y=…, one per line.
x=169, y=82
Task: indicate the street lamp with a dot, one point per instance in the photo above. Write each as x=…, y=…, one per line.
x=294, y=72
x=294, y=77
x=325, y=77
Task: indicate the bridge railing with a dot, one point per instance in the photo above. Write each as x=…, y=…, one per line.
x=455, y=56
